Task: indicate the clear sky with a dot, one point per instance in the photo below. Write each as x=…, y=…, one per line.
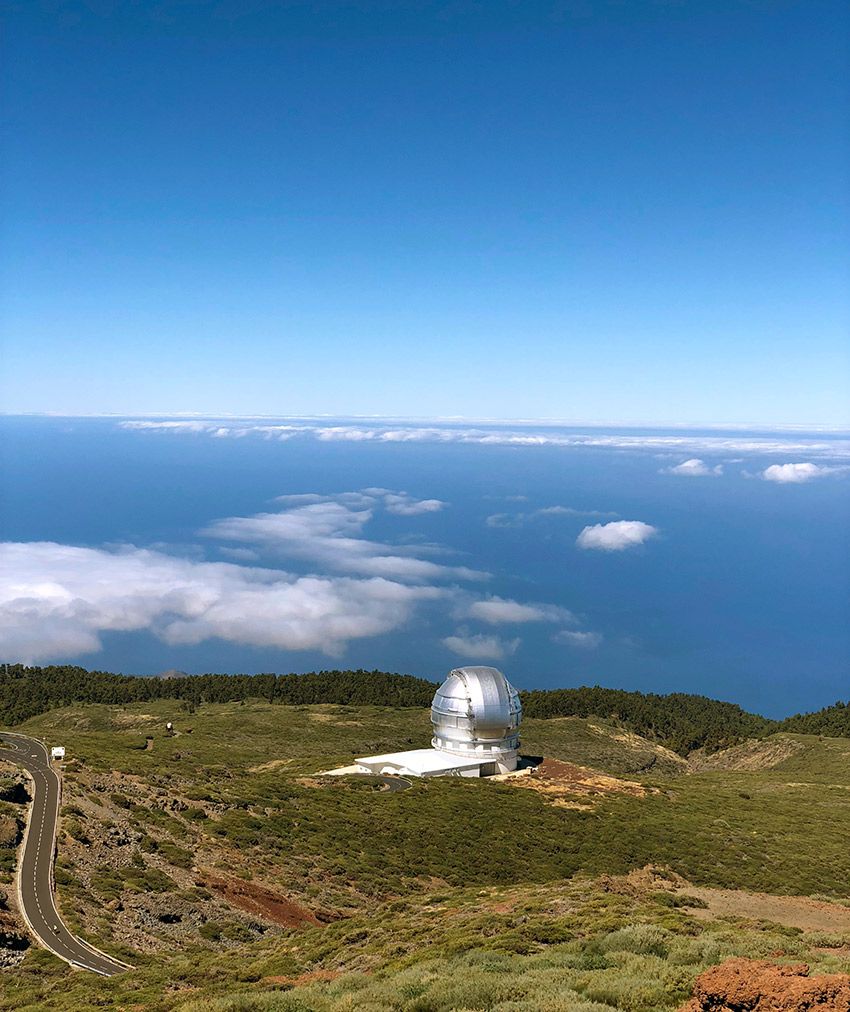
x=584, y=210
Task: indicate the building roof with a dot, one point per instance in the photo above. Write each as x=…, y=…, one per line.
x=423, y=760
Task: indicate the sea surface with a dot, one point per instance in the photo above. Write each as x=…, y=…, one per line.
x=740, y=591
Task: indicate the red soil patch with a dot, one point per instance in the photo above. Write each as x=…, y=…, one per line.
x=261, y=901
x=756, y=985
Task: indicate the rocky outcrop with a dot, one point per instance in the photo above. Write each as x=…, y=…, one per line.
x=13, y=788
x=13, y=940
x=757, y=985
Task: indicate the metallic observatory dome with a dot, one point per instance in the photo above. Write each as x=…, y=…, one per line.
x=476, y=712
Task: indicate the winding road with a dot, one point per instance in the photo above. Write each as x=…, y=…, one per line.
x=35, y=869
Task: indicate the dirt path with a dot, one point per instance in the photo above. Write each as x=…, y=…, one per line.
x=794, y=911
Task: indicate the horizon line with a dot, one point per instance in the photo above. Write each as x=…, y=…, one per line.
x=443, y=419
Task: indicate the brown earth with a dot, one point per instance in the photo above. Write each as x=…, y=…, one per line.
x=757, y=985
x=259, y=900
x=640, y=881
x=793, y=911
x=570, y=786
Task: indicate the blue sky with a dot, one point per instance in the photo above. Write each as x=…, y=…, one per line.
x=588, y=211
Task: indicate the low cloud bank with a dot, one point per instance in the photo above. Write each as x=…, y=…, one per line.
x=616, y=536
x=57, y=601
x=683, y=441
x=328, y=531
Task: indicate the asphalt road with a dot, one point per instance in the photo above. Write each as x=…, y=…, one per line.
x=35, y=870
x=395, y=783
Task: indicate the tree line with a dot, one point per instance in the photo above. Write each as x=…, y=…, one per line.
x=833, y=721
x=680, y=721
x=28, y=691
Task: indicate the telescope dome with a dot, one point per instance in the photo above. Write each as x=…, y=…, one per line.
x=476, y=712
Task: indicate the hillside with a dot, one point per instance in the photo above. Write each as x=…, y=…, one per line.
x=218, y=862
x=681, y=722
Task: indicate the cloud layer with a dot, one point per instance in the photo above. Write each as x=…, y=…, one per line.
x=683, y=441
x=328, y=531
x=57, y=601
x=616, y=536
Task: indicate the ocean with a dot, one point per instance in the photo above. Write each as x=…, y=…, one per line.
x=563, y=555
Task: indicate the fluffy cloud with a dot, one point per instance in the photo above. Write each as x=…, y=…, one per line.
x=500, y=610
x=56, y=601
x=795, y=474
x=583, y=640
x=328, y=531
x=480, y=647
x=694, y=468
x=616, y=536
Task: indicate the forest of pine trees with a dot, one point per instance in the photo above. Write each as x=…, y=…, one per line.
x=680, y=721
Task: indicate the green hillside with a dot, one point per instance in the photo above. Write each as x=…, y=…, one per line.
x=680, y=721
x=421, y=899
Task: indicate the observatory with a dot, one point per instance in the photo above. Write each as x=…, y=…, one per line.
x=475, y=715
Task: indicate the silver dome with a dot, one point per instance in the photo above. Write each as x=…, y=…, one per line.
x=476, y=711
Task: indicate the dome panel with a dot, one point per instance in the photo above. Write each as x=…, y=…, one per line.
x=476, y=710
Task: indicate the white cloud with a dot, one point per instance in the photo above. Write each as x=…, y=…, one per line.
x=56, y=601
x=683, y=441
x=481, y=647
x=504, y=520
x=694, y=468
x=583, y=640
x=616, y=536
x=500, y=610
x=788, y=474
x=518, y=519
x=404, y=506
x=569, y=511
x=329, y=532
x=241, y=554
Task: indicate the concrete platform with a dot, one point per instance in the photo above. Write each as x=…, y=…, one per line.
x=423, y=762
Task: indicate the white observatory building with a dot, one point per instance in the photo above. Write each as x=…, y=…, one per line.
x=475, y=715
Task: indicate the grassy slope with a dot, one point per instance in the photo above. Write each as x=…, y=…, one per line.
x=389, y=862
